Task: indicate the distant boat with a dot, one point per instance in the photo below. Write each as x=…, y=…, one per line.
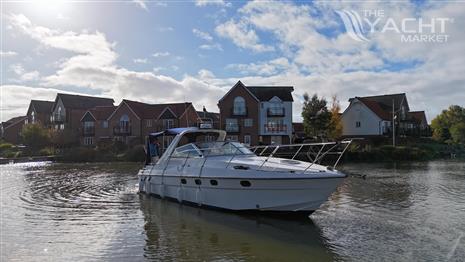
x=228, y=175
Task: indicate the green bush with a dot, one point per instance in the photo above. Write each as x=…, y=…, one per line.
x=46, y=151
x=5, y=146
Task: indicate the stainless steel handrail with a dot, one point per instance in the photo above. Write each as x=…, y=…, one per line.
x=318, y=156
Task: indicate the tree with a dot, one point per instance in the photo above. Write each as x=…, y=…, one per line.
x=457, y=133
x=449, y=125
x=335, y=123
x=316, y=116
x=35, y=136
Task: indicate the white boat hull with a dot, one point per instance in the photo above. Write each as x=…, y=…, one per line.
x=278, y=195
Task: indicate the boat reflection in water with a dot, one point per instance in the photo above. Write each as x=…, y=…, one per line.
x=180, y=232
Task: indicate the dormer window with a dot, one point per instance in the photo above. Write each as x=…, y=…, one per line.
x=239, y=106
x=275, y=107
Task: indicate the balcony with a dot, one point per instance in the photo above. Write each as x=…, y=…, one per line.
x=124, y=130
x=275, y=129
x=235, y=128
x=88, y=131
x=243, y=112
x=276, y=112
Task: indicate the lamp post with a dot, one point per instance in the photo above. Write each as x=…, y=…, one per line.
x=393, y=125
x=394, y=117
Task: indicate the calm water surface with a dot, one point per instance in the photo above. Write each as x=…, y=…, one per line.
x=92, y=212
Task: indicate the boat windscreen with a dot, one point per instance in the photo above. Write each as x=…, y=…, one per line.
x=223, y=148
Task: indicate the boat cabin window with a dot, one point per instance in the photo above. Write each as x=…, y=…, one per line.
x=189, y=150
x=223, y=148
x=198, y=138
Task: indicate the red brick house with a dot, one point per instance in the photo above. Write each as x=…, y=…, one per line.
x=94, y=125
x=68, y=110
x=40, y=111
x=10, y=130
x=209, y=118
x=257, y=114
x=418, y=123
x=132, y=121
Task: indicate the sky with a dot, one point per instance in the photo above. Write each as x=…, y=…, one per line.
x=176, y=51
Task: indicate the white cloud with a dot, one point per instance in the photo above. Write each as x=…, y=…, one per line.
x=165, y=29
x=242, y=36
x=265, y=68
x=140, y=61
x=214, y=46
x=141, y=4
x=161, y=54
x=308, y=60
x=202, y=35
x=30, y=76
x=212, y=2
x=7, y=53
x=22, y=74
x=107, y=78
x=19, y=97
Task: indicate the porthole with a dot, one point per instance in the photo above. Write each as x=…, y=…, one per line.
x=150, y=178
x=245, y=183
x=183, y=181
x=198, y=182
x=213, y=182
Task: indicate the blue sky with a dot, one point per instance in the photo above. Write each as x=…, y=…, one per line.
x=195, y=50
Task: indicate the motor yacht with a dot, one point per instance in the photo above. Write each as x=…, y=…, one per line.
x=200, y=167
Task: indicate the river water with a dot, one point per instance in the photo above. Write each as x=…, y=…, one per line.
x=92, y=212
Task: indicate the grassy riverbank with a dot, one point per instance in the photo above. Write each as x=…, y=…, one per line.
x=113, y=152
x=407, y=150
x=359, y=151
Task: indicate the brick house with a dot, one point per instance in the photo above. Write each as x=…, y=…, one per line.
x=211, y=118
x=132, y=121
x=257, y=114
x=10, y=130
x=68, y=110
x=418, y=125
x=39, y=111
x=373, y=116
x=94, y=125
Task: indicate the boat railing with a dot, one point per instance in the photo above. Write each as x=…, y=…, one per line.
x=315, y=153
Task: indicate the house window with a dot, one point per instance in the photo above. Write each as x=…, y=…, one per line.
x=33, y=117
x=88, y=141
x=275, y=125
x=239, y=106
x=105, y=124
x=247, y=139
x=276, y=109
x=232, y=125
x=62, y=126
x=149, y=122
x=124, y=122
x=248, y=122
x=358, y=124
x=168, y=123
